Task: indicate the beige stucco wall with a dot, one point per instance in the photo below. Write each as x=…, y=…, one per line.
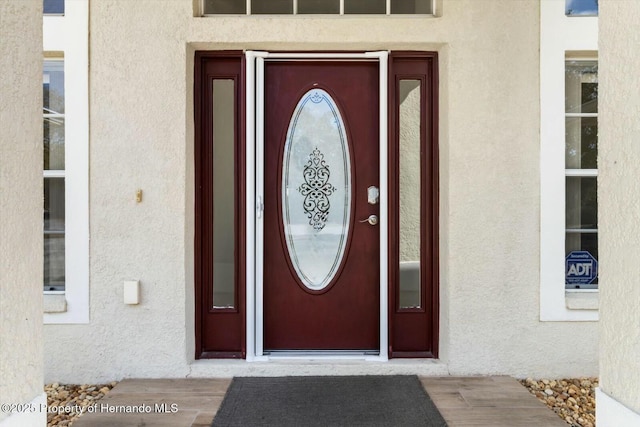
x=618, y=201
x=142, y=137
x=21, y=363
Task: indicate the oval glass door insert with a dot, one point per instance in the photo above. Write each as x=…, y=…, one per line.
x=316, y=189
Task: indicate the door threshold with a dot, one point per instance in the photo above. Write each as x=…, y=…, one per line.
x=263, y=366
x=321, y=355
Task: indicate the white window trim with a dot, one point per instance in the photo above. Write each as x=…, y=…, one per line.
x=69, y=35
x=559, y=34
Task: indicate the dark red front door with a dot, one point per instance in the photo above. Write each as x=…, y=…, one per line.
x=321, y=263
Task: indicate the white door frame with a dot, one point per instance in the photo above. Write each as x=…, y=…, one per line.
x=255, y=194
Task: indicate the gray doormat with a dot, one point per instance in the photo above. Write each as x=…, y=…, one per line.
x=327, y=401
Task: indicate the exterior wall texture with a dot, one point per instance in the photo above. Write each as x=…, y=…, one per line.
x=141, y=137
x=619, y=193
x=21, y=256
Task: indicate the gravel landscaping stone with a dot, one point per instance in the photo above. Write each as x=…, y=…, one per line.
x=572, y=399
x=65, y=400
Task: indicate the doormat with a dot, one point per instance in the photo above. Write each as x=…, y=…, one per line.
x=327, y=401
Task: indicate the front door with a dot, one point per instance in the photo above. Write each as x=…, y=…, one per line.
x=321, y=248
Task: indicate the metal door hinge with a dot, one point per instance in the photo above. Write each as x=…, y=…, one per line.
x=259, y=207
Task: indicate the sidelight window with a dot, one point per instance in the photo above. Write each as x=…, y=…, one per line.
x=219, y=206
x=224, y=194
x=409, y=147
x=413, y=258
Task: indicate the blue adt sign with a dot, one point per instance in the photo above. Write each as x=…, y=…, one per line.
x=580, y=268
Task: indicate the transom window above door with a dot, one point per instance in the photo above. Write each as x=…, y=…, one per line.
x=317, y=7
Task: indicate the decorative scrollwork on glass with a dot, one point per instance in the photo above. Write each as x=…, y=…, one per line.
x=316, y=98
x=316, y=190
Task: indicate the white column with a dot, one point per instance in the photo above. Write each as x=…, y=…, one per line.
x=618, y=400
x=21, y=238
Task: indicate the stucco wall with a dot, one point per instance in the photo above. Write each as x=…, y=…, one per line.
x=618, y=201
x=21, y=366
x=142, y=137
x=137, y=141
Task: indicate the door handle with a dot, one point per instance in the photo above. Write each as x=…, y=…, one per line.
x=373, y=220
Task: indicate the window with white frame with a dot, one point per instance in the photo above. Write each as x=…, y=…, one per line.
x=54, y=174
x=65, y=82
x=568, y=154
x=581, y=169
x=324, y=7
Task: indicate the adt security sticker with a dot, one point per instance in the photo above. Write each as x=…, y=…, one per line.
x=581, y=268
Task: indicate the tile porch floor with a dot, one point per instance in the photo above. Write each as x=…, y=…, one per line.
x=463, y=401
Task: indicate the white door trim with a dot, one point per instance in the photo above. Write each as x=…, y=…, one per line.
x=255, y=193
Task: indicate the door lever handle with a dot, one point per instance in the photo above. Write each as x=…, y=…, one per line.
x=373, y=220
